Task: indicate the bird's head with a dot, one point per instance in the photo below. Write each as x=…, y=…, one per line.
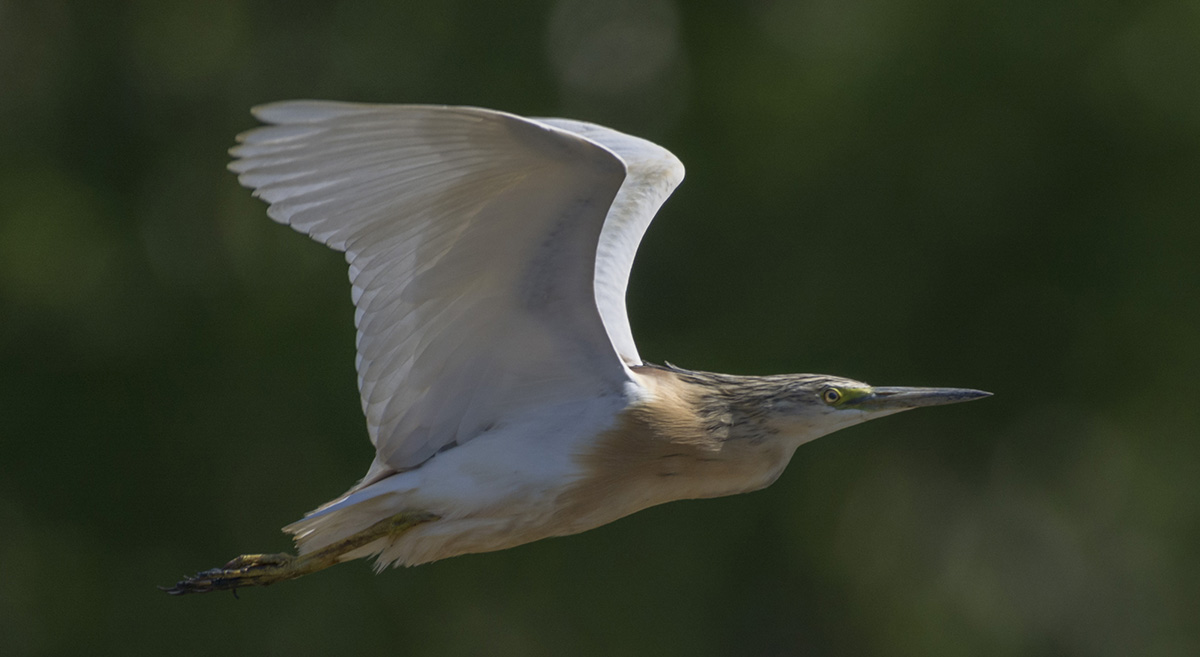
x=803, y=407
x=797, y=408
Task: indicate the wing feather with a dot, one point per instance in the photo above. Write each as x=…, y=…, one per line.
x=472, y=239
x=653, y=173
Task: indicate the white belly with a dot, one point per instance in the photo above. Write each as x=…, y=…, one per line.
x=497, y=491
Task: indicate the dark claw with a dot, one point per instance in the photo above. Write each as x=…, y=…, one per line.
x=202, y=582
x=246, y=570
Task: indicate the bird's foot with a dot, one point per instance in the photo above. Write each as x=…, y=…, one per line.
x=266, y=569
x=246, y=570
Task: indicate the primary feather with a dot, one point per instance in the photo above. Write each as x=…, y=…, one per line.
x=487, y=256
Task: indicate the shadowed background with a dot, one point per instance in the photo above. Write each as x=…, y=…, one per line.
x=907, y=192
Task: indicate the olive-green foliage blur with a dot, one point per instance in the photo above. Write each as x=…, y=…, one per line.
x=925, y=192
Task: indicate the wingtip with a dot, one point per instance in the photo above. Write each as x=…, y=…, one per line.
x=306, y=110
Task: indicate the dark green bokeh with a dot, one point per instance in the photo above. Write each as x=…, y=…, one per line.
x=926, y=192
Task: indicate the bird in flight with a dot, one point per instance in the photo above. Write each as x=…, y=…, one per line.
x=489, y=256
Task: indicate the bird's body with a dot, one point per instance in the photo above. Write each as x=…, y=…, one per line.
x=571, y=469
x=489, y=256
x=500, y=492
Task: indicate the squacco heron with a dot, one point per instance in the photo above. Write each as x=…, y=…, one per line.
x=489, y=256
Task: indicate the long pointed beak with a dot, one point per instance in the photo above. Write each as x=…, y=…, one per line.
x=900, y=399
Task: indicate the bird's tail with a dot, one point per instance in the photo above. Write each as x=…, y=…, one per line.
x=353, y=512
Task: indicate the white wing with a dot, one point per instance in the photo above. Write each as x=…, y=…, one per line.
x=653, y=174
x=472, y=238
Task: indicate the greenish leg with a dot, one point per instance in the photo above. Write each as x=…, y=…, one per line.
x=266, y=569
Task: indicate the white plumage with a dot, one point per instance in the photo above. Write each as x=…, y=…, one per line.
x=489, y=256
x=505, y=397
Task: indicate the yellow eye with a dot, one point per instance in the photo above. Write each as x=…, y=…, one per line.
x=831, y=396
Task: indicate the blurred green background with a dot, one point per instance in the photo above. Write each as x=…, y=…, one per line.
x=921, y=192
